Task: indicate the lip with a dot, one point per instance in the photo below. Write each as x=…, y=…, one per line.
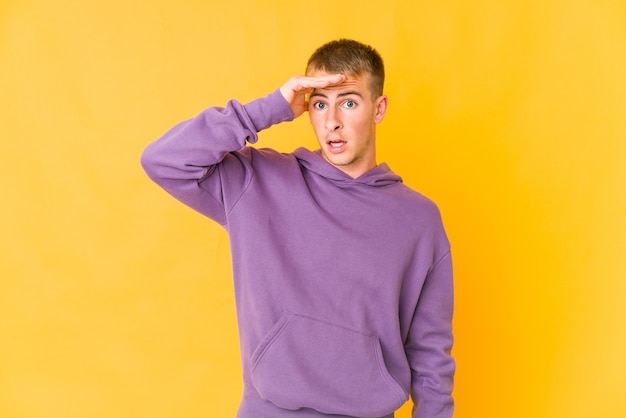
x=336, y=146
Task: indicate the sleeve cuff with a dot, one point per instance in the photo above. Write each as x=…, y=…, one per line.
x=269, y=110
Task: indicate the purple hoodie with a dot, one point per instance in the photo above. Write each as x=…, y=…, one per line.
x=343, y=286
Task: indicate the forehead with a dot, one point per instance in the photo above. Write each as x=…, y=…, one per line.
x=353, y=83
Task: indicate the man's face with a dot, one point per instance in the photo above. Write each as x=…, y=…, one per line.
x=344, y=119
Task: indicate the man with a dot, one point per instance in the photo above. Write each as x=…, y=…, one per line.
x=343, y=279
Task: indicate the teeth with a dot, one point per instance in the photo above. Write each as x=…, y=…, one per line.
x=336, y=144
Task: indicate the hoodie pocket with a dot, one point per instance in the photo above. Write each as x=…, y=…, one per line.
x=306, y=363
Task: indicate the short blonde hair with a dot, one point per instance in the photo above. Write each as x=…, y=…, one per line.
x=349, y=57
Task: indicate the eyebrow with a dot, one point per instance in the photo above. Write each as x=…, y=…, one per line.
x=347, y=93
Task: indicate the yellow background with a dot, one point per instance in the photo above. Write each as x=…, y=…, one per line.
x=116, y=301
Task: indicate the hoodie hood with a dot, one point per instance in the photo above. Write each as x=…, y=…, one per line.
x=379, y=176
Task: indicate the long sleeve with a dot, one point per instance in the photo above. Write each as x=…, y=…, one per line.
x=196, y=160
x=430, y=343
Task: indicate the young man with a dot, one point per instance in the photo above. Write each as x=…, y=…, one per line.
x=343, y=278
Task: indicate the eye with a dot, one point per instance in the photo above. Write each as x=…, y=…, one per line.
x=349, y=104
x=319, y=105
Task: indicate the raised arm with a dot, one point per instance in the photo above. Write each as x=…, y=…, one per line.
x=191, y=151
x=196, y=160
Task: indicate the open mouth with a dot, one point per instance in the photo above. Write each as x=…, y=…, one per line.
x=336, y=145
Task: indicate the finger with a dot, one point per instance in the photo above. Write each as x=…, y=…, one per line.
x=323, y=81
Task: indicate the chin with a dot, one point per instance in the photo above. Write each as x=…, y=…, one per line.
x=338, y=160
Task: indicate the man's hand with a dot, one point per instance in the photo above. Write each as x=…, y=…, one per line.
x=296, y=89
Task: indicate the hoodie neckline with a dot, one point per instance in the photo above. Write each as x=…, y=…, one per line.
x=379, y=176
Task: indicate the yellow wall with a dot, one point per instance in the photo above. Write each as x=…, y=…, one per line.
x=116, y=301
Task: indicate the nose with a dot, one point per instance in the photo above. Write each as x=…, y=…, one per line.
x=332, y=122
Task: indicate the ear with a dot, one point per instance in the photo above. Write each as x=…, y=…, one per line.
x=380, y=106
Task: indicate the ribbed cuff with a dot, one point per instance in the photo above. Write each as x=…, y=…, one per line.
x=269, y=110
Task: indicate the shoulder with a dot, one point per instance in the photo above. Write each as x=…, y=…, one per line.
x=416, y=210
x=415, y=200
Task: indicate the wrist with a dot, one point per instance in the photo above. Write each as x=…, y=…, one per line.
x=269, y=110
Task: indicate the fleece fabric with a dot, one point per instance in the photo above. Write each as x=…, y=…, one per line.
x=343, y=285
